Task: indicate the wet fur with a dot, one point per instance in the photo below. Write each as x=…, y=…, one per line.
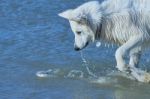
x=123, y=22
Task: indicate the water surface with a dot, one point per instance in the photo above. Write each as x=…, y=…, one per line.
x=34, y=38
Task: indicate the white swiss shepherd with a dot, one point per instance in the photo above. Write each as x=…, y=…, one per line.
x=123, y=22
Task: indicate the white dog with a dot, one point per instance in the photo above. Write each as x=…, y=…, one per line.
x=123, y=22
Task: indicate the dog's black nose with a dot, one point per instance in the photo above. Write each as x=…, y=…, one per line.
x=76, y=48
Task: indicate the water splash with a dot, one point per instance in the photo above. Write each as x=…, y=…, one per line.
x=55, y=73
x=68, y=74
x=48, y=73
x=85, y=63
x=75, y=74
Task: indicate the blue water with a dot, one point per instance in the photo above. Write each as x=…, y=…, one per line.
x=34, y=38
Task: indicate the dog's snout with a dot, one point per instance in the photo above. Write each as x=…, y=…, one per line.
x=76, y=48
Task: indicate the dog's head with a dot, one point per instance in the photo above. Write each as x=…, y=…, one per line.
x=83, y=21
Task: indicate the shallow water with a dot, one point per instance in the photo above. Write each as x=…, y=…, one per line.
x=33, y=38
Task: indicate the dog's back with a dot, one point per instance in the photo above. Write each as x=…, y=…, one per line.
x=118, y=5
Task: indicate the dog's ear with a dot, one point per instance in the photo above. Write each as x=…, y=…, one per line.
x=66, y=14
x=74, y=16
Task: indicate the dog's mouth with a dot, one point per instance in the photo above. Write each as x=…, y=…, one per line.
x=78, y=49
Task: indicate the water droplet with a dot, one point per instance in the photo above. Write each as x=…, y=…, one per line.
x=98, y=44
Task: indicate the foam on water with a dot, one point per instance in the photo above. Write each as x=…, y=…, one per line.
x=75, y=74
x=104, y=80
x=114, y=77
x=53, y=73
x=48, y=73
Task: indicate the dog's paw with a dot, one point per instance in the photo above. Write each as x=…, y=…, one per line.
x=141, y=75
x=147, y=77
x=125, y=68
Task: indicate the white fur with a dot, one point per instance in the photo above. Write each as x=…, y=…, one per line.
x=123, y=22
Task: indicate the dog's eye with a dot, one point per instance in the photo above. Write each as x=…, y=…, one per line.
x=81, y=23
x=78, y=32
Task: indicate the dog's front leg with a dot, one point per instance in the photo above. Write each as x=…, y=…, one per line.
x=135, y=55
x=125, y=48
x=121, y=64
x=138, y=73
